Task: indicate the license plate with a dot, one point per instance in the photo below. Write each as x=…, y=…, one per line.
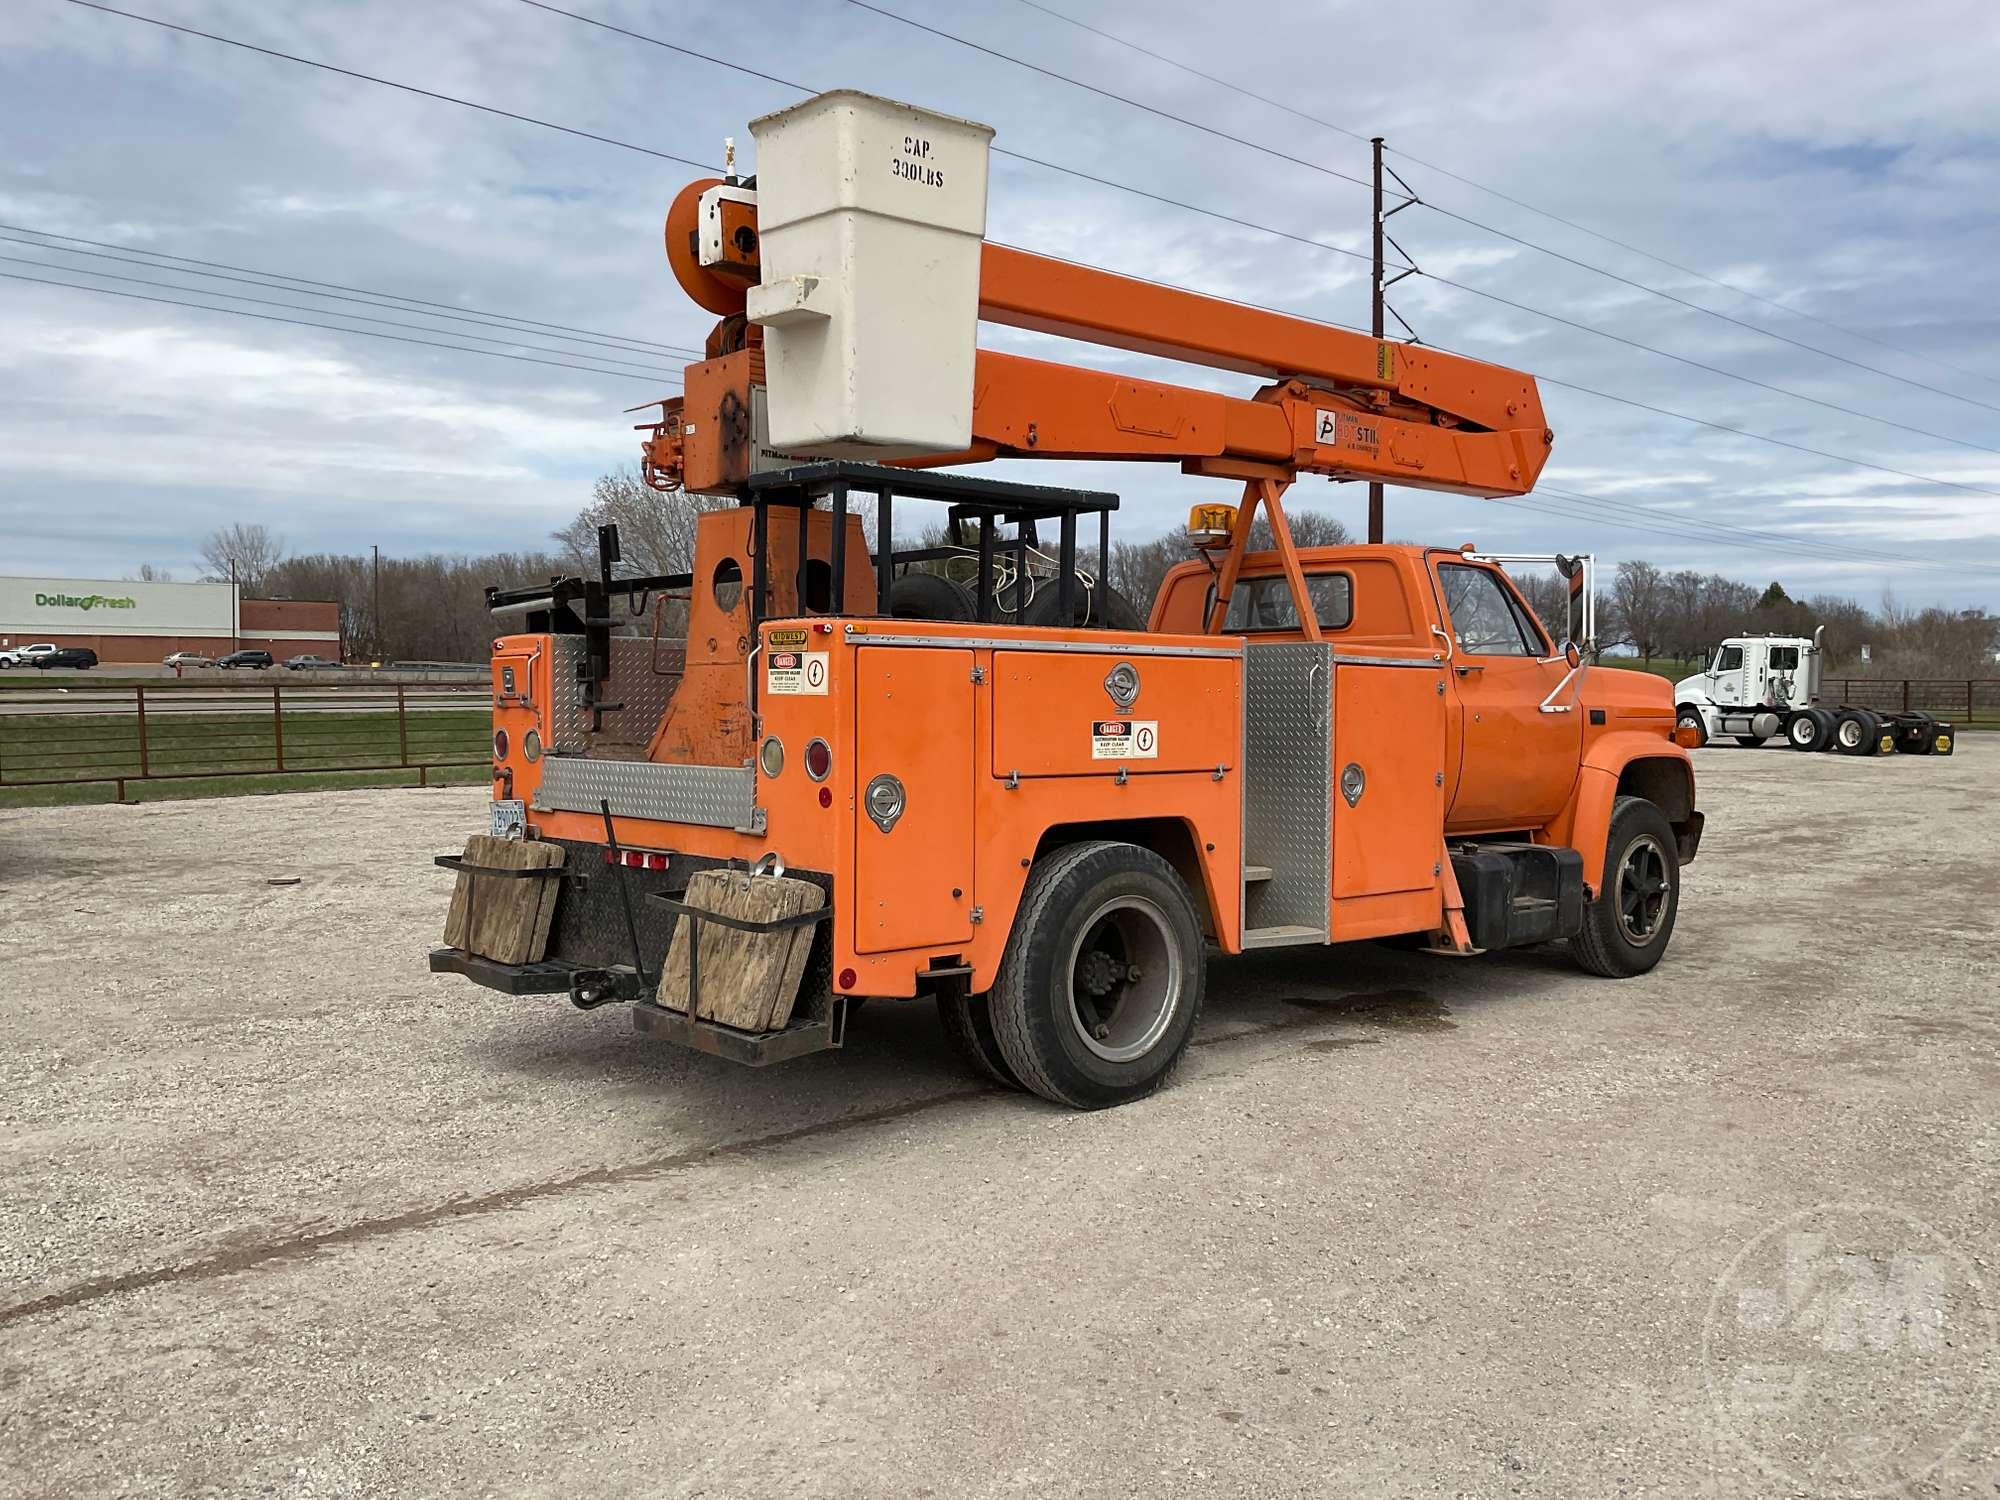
x=510, y=819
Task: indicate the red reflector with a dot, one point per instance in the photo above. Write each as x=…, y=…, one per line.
x=656, y=861
x=826, y=796
x=823, y=627
x=848, y=978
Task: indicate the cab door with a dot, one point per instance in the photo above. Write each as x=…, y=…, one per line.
x=1517, y=764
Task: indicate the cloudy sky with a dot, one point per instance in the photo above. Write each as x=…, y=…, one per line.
x=1812, y=152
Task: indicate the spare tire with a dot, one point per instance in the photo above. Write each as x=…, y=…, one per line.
x=927, y=596
x=1101, y=607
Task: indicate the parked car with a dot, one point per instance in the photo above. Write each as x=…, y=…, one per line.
x=78, y=658
x=24, y=656
x=311, y=663
x=184, y=660
x=257, y=659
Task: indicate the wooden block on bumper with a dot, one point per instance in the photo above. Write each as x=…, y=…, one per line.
x=503, y=917
x=749, y=980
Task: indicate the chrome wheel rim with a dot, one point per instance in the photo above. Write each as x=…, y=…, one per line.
x=1645, y=883
x=1123, y=979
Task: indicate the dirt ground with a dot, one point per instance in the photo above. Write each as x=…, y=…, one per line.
x=285, y=1214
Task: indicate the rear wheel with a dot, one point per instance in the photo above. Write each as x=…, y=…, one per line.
x=1102, y=981
x=968, y=1026
x=1855, y=732
x=1690, y=717
x=1803, y=731
x=1625, y=930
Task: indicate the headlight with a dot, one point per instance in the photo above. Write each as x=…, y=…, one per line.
x=771, y=755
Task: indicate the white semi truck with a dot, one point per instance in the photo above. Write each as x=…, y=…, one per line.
x=1757, y=687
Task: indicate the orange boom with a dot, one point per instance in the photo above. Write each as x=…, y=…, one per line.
x=813, y=770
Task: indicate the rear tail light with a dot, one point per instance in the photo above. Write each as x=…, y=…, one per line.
x=819, y=759
x=636, y=859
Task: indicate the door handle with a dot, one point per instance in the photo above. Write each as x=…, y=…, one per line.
x=1464, y=667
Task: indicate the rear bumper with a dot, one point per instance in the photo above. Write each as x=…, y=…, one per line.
x=751, y=1049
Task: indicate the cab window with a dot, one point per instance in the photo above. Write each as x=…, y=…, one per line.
x=1784, y=658
x=1729, y=659
x=1484, y=621
x=1266, y=604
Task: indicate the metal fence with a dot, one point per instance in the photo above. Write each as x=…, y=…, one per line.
x=77, y=733
x=1961, y=700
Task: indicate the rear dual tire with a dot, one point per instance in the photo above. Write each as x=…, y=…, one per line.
x=1102, y=980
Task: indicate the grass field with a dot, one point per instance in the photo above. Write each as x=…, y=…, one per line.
x=223, y=754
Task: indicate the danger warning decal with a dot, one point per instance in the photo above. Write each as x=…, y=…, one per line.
x=1125, y=739
x=795, y=672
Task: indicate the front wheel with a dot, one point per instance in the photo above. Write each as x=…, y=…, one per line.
x=1690, y=718
x=1101, y=984
x=1625, y=930
x=1749, y=741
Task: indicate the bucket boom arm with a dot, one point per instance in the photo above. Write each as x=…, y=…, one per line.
x=1341, y=404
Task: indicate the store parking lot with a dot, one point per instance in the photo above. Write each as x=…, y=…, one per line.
x=285, y=1213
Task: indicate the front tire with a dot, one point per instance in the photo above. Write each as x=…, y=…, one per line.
x=1690, y=718
x=1102, y=981
x=1625, y=930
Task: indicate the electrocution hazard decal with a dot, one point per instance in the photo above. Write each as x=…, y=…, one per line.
x=795, y=672
x=1125, y=739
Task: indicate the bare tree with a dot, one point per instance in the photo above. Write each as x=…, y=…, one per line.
x=655, y=527
x=148, y=573
x=1638, y=594
x=246, y=552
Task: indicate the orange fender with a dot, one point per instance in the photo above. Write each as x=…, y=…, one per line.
x=1666, y=776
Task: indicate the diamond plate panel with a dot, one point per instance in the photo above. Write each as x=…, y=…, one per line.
x=1288, y=782
x=644, y=675
x=709, y=796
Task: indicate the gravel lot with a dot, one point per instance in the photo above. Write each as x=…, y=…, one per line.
x=286, y=1214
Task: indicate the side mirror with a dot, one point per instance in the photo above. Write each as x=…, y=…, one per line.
x=1572, y=654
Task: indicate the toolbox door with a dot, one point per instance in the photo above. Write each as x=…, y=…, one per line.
x=1388, y=798
x=913, y=877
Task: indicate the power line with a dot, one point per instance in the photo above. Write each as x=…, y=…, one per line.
x=1566, y=222
x=408, y=88
x=383, y=299
x=18, y=260
x=1262, y=228
x=236, y=312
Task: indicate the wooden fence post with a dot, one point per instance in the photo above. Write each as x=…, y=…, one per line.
x=1906, y=695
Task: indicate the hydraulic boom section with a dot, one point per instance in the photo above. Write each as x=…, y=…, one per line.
x=1338, y=403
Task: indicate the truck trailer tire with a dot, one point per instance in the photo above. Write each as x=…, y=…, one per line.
x=1102, y=981
x=1689, y=717
x=968, y=1026
x=1856, y=732
x=1625, y=930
